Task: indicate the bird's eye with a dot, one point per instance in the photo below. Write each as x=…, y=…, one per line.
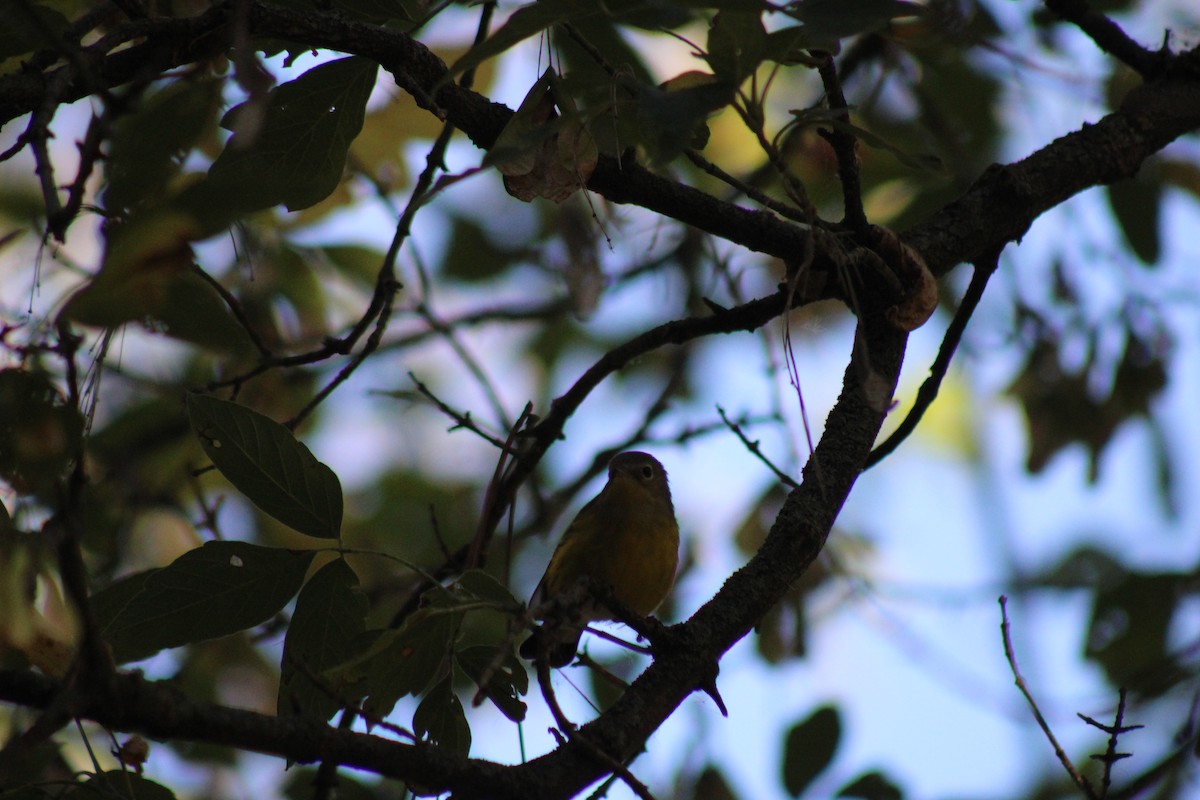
x=647, y=472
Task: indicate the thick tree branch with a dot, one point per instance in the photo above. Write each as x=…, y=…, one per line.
x=159, y=710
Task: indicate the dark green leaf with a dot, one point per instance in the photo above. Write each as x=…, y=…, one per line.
x=119, y=784
x=487, y=588
x=111, y=602
x=193, y=311
x=836, y=19
x=524, y=22
x=148, y=145
x=711, y=785
x=40, y=434
x=871, y=786
x=300, y=782
x=28, y=27
x=669, y=121
x=809, y=747
x=440, y=719
x=506, y=679
x=1137, y=205
x=395, y=663
x=355, y=261
x=736, y=45
x=267, y=464
x=380, y=11
x=292, y=152
x=215, y=590
x=330, y=613
x=1060, y=408
x=831, y=117
x=788, y=45
x=473, y=255
x=1083, y=568
x=1127, y=634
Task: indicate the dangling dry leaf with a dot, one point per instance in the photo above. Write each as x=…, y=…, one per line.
x=542, y=153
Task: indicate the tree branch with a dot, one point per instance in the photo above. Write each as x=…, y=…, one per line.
x=1108, y=36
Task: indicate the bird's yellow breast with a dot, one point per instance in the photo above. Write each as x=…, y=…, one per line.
x=627, y=539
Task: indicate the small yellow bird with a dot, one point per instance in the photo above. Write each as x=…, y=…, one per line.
x=625, y=538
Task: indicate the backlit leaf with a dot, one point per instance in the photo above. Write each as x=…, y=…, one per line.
x=1137, y=204
x=292, y=151
x=500, y=675
x=330, y=613
x=271, y=467
x=214, y=590
x=440, y=719
x=809, y=747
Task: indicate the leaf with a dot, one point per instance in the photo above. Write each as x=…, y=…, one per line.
x=192, y=311
x=392, y=664
x=836, y=19
x=1137, y=205
x=28, y=27
x=121, y=784
x=330, y=613
x=809, y=747
x=212, y=591
x=832, y=118
x=672, y=119
x=149, y=276
x=473, y=255
x=712, y=785
x=506, y=678
x=1060, y=409
x=871, y=786
x=142, y=259
x=540, y=153
x=292, y=152
x=266, y=463
x=40, y=434
x=526, y=21
x=789, y=45
x=736, y=45
x=484, y=587
x=1129, y=628
x=149, y=144
x=439, y=719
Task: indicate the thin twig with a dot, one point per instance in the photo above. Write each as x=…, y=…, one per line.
x=386, y=284
x=468, y=360
x=845, y=147
x=1078, y=778
x=1110, y=756
x=753, y=447
x=480, y=543
x=462, y=419
x=572, y=733
x=757, y=195
x=235, y=308
x=1109, y=37
x=89, y=151
x=941, y=364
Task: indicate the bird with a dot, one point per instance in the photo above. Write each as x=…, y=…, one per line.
x=624, y=540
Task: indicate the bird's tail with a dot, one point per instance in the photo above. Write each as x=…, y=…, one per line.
x=557, y=643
